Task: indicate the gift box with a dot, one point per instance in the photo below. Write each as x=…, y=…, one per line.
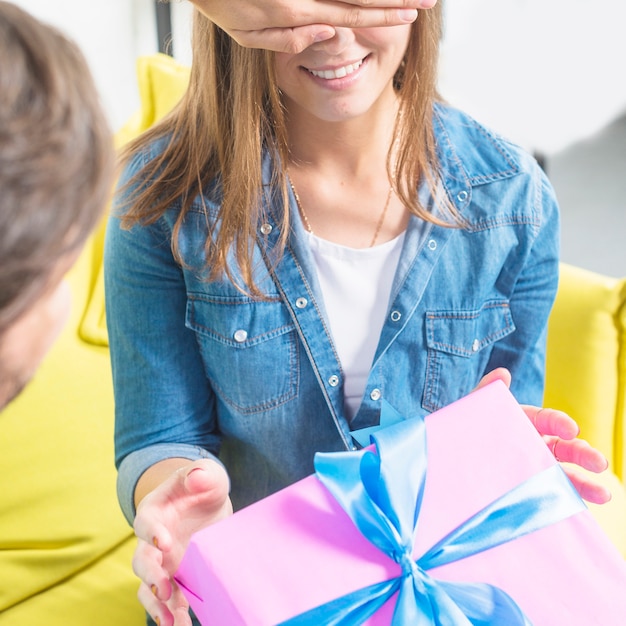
x=461, y=518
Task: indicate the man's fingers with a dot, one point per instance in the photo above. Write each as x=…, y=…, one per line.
x=396, y=4
x=367, y=18
x=346, y=14
x=288, y=40
x=296, y=39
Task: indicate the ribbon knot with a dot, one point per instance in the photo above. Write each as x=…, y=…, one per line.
x=382, y=495
x=409, y=566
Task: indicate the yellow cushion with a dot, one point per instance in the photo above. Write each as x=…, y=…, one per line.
x=92, y=327
x=100, y=595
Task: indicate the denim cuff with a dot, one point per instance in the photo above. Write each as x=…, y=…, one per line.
x=136, y=463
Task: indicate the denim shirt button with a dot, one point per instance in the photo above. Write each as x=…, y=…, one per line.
x=475, y=345
x=395, y=316
x=301, y=303
x=432, y=244
x=376, y=394
x=333, y=381
x=266, y=228
x=240, y=336
x=462, y=196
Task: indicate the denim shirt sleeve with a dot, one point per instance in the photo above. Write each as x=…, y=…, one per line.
x=161, y=392
x=523, y=352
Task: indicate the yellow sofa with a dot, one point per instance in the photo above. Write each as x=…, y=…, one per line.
x=586, y=376
x=65, y=550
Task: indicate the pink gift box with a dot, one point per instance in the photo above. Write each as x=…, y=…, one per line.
x=298, y=549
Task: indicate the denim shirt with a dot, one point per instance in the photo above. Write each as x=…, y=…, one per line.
x=201, y=369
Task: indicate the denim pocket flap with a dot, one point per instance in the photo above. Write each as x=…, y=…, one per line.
x=238, y=322
x=466, y=332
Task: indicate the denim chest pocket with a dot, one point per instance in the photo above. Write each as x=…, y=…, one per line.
x=459, y=345
x=249, y=348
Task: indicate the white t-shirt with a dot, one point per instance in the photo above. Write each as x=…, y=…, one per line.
x=356, y=286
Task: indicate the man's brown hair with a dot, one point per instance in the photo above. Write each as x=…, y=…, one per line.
x=56, y=156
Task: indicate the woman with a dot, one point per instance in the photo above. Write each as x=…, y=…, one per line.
x=306, y=235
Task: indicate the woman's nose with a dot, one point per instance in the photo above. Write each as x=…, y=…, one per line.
x=337, y=44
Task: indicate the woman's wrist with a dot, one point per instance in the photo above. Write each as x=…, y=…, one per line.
x=158, y=474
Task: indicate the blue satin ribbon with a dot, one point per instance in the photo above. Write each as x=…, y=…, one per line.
x=382, y=494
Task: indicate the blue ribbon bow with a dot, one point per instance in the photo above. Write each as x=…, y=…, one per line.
x=382, y=494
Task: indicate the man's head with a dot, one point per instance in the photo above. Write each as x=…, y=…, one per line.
x=56, y=165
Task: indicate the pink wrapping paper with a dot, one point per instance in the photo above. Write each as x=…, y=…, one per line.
x=298, y=549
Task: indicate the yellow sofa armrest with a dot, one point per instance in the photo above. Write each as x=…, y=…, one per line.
x=162, y=81
x=585, y=377
x=585, y=364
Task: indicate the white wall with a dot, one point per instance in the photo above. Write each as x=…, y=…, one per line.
x=546, y=73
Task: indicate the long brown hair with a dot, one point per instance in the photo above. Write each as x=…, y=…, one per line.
x=232, y=111
x=56, y=157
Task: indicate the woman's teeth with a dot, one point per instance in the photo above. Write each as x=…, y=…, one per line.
x=340, y=72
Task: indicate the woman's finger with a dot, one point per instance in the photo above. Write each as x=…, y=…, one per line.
x=147, y=566
x=500, y=373
x=587, y=489
x=158, y=610
x=179, y=607
x=578, y=452
x=552, y=422
x=150, y=531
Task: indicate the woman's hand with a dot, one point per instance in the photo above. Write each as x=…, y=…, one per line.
x=293, y=25
x=560, y=432
x=193, y=497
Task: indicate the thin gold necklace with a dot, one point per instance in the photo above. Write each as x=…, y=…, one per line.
x=307, y=224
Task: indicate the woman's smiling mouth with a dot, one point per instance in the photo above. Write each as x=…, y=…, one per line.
x=339, y=72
